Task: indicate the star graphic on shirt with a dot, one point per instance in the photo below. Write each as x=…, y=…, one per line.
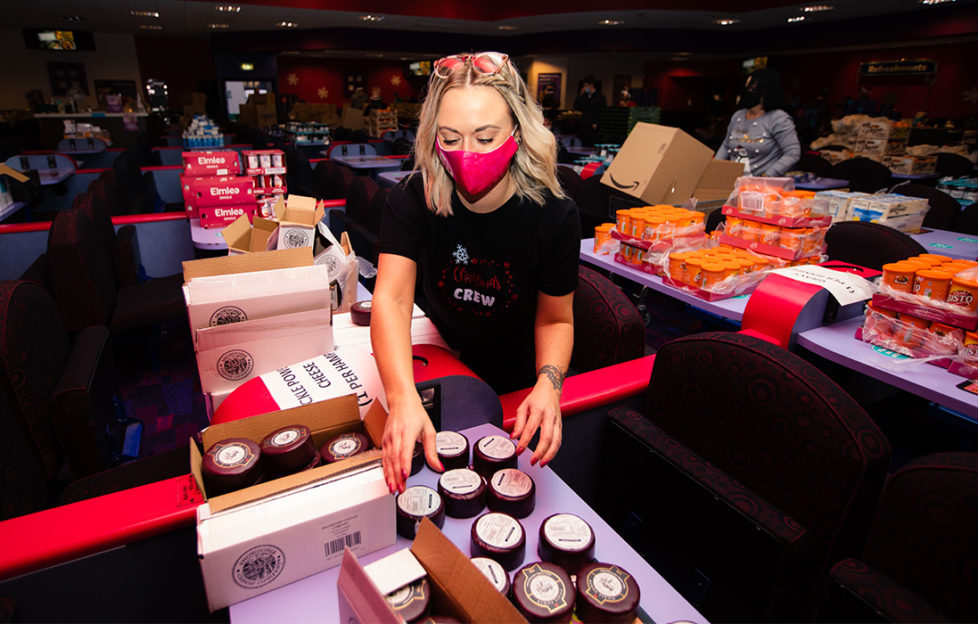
x=461, y=255
x=323, y=93
x=971, y=95
x=396, y=80
x=292, y=79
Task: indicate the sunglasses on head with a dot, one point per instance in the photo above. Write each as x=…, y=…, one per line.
x=483, y=62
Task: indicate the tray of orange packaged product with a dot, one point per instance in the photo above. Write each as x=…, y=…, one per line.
x=770, y=250
x=804, y=221
x=707, y=295
x=635, y=258
x=921, y=307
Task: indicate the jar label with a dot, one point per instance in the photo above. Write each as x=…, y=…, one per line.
x=567, y=531
x=499, y=530
x=497, y=447
x=460, y=481
x=512, y=482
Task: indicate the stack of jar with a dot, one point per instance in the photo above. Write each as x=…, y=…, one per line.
x=659, y=223
x=707, y=268
x=786, y=221
x=928, y=305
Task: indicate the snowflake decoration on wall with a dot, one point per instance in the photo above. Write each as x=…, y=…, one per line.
x=323, y=93
x=461, y=255
x=292, y=79
x=396, y=80
x=971, y=95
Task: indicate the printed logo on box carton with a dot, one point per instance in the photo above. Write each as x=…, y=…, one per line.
x=219, y=216
x=215, y=191
x=211, y=163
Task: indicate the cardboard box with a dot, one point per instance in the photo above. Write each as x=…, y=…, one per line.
x=663, y=165
x=229, y=355
x=222, y=191
x=220, y=216
x=910, y=165
x=297, y=219
x=458, y=588
x=243, y=236
x=222, y=299
x=263, y=537
x=216, y=163
x=896, y=211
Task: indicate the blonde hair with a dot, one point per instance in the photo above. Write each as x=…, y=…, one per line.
x=534, y=167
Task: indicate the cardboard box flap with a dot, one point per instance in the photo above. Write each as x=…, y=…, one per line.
x=355, y=584
x=718, y=180
x=395, y=571
x=13, y=173
x=473, y=598
x=301, y=210
x=259, y=261
x=234, y=234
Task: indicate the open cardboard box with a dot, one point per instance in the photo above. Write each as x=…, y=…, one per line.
x=664, y=165
x=458, y=588
x=262, y=537
x=243, y=236
x=297, y=219
x=209, y=301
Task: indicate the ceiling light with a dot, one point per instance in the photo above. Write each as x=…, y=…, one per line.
x=150, y=27
x=145, y=13
x=817, y=8
x=929, y=2
x=247, y=66
x=611, y=22
x=287, y=25
x=507, y=27
x=797, y=18
x=227, y=8
x=73, y=18
x=371, y=18
x=727, y=21
x=218, y=26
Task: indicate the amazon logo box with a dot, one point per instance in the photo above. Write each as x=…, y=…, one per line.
x=664, y=165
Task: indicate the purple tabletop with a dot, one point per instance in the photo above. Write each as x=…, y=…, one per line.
x=367, y=162
x=838, y=343
x=953, y=244
x=314, y=599
x=915, y=176
x=53, y=176
x=389, y=179
x=732, y=308
x=821, y=184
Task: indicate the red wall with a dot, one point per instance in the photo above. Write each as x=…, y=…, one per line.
x=311, y=75
x=806, y=75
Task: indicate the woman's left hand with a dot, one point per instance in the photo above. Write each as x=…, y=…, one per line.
x=540, y=410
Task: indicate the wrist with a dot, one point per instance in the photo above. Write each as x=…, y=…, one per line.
x=551, y=376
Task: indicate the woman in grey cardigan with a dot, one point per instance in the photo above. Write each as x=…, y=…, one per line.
x=760, y=134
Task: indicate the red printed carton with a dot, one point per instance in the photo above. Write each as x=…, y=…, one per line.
x=221, y=216
x=218, y=191
x=218, y=163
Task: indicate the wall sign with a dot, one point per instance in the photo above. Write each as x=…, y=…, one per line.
x=901, y=67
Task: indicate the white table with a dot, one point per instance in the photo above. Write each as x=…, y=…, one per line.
x=838, y=344
x=732, y=308
x=953, y=244
x=314, y=599
x=390, y=179
x=207, y=238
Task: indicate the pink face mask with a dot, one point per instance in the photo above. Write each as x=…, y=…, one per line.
x=477, y=172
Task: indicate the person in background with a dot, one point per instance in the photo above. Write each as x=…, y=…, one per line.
x=359, y=98
x=590, y=102
x=760, y=134
x=484, y=222
x=376, y=102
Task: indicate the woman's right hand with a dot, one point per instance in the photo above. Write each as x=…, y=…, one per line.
x=407, y=423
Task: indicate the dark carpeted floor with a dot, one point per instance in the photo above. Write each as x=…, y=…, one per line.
x=162, y=390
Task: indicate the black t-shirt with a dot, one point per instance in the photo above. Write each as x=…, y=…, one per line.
x=481, y=273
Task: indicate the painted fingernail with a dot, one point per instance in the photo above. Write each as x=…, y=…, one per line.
x=404, y=473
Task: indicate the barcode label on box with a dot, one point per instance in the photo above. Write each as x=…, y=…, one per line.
x=337, y=545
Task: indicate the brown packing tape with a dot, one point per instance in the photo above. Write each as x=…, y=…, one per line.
x=13, y=173
x=469, y=593
x=259, y=261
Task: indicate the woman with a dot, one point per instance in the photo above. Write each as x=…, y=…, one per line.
x=760, y=135
x=497, y=242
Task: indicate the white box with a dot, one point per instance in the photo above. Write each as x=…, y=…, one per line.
x=221, y=299
x=229, y=355
x=254, y=548
x=297, y=221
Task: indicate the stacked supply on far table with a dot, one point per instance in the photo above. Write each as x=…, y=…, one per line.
x=927, y=307
x=267, y=169
x=900, y=212
x=202, y=132
x=213, y=189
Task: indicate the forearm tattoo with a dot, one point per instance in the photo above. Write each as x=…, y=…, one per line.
x=554, y=374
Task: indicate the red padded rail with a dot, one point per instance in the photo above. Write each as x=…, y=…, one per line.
x=94, y=171
x=43, y=226
x=64, y=533
x=591, y=389
x=160, y=168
